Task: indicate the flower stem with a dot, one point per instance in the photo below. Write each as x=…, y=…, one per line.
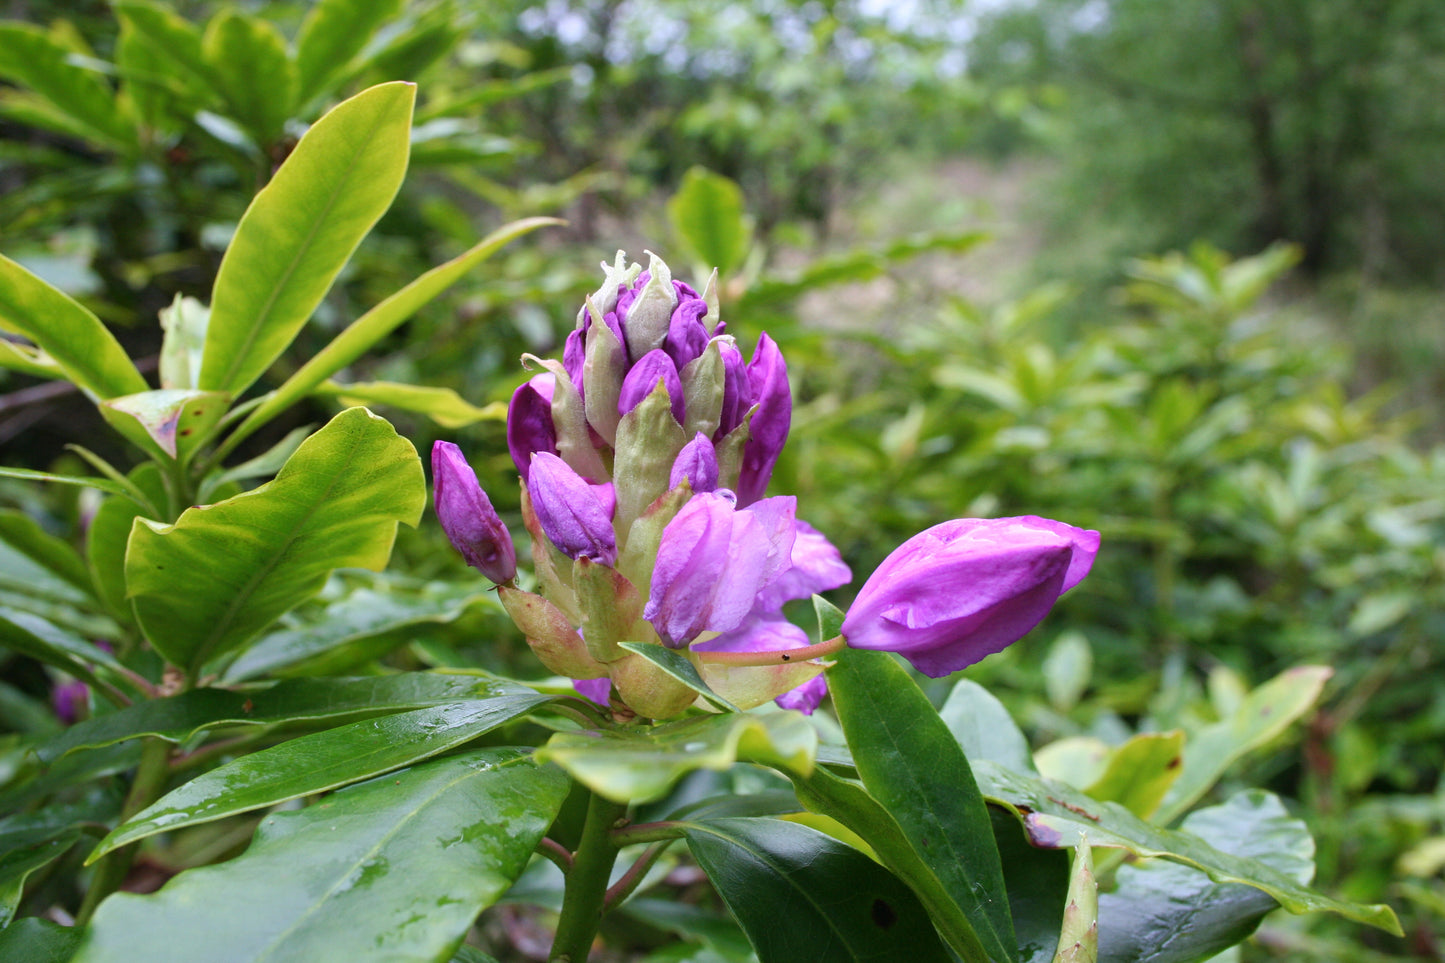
x=633, y=877
x=111, y=870
x=583, y=901
x=779, y=657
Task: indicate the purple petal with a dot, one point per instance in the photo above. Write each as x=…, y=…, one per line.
x=691, y=558
x=737, y=392
x=574, y=353
x=597, y=690
x=768, y=430
x=687, y=336
x=529, y=422
x=696, y=464
x=569, y=511
x=642, y=380
x=806, y=697
x=816, y=567
x=467, y=515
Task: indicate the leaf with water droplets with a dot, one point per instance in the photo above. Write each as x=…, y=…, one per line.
x=395, y=869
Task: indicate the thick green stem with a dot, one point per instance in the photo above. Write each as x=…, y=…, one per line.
x=111, y=870
x=586, y=893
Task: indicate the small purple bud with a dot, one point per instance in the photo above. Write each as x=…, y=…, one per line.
x=597, y=690
x=70, y=700
x=687, y=336
x=965, y=589
x=574, y=353
x=713, y=560
x=696, y=464
x=768, y=430
x=529, y=422
x=642, y=380
x=569, y=511
x=806, y=697
x=467, y=515
x=737, y=393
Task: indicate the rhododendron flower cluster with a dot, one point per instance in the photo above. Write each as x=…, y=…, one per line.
x=644, y=456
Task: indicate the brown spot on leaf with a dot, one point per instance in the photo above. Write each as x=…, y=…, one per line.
x=883, y=915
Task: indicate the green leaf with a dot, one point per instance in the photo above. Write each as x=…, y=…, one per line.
x=1161, y=912
x=245, y=561
x=250, y=67
x=170, y=422
x=1140, y=772
x=640, y=765
x=983, y=727
x=676, y=665
x=175, y=45
x=38, y=941
x=32, y=58
x=84, y=481
x=1067, y=668
x=1056, y=816
x=24, y=534
x=70, y=334
x=268, y=463
x=182, y=717
x=333, y=33
x=800, y=895
x=363, y=333
x=1038, y=886
x=28, y=360
x=1079, y=936
x=319, y=762
x=21, y=857
x=442, y=405
x=911, y=763
x=42, y=640
x=707, y=214
x=339, y=634
x=109, y=534
x=1265, y=714
x=394, y=869
x=300, y=231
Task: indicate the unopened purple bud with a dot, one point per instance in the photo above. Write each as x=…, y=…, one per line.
x=595, y=690
x=713, y=560
x=642, y=380
x=467, y=515
x=806, y=697
x=737, y=393
x=69, y=699
x=768, y=430
x=687, y=336
x=696, y=464
x=574, y=354
x=529, y=422
x=569, y=511
x=965, y=589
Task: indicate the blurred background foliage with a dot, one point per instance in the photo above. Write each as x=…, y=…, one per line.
x=992, y=240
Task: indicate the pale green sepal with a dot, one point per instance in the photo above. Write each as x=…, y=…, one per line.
x=702, y=391
x=710, y=298
x=610, y=605
x=730, y=453
x=650, y=314
x=648, y=442
x=1079, y=938
x=639, y=552
x=677, y=664
x=574, y=442
x=605, y=298
x=603, y=369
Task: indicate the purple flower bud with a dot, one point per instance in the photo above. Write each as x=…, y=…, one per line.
x=696, y=464
x=806, y=697
x=70, y=700
x=642, y=380
x=467, y=515
x=529, y=422
x=569, y=510
x=737, y=393
x=574, y=354
x=768, y=430
x=965, y=589
x=713, y=560
x=596, y=690
x=687, y=336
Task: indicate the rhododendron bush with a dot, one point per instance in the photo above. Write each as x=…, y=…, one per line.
x=697, y=708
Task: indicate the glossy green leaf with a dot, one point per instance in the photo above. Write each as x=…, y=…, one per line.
x=676, y=665
x=1056, y=816
x=1266, y=713
x=33, y=59
x=24, y=534
x=76, y=770
x=181, y=717
x=38, y=941
x=109, y=534
x=1162, y=912
x=910, y=762
x=1079, y=936
x=250, y=67
x=333, y=33
x=983, y=727
x=707, y=214
x=338, y=635
x=245, y=561
x=44, y=641
x=83, y=481
x=363, y=333
x=1140, y=772
x=28, y=360
x=637, y=765
x=800, y=895
x=264, y=465
x=301, y=229
x=67, y=332
x=395, y=869
x=18, y=859
x=320, y=762
x=168, y=422
x=442, y=405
